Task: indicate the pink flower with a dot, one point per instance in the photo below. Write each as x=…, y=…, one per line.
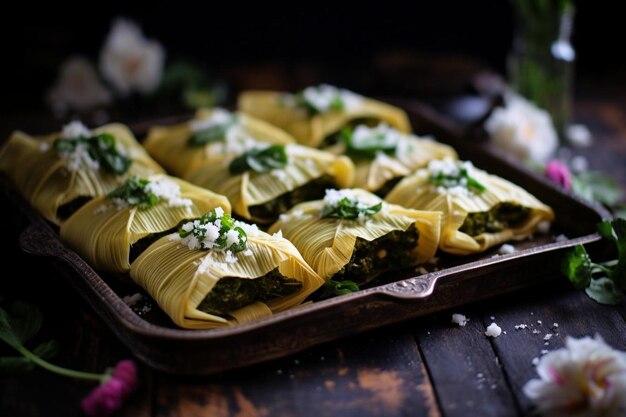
x=559, y=173
x=109, y=397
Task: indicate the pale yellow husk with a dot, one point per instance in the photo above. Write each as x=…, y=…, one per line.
x=311, y=130
x=169, y=273
x=416, y=192
x=413, y=153
x=327, y=244
x=43, y=179
x=252, y=188
x=169, y=144
x=103, y=234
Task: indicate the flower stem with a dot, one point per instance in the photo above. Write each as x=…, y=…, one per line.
x=59, y=370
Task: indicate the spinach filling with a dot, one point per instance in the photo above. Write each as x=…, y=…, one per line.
x=142, y=244
x=313, y=190
x=395, y=250
x=232, y=293
x=387, y=186
x=338, y=137
x=500, y=217
x=71, y=207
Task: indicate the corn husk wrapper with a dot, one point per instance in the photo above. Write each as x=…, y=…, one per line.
x=103, y=233
x=169, y=144
x=327, y=244
x=412, y=153
x=311, y=130
x=43, y=179
x=179, y=278
x=252, y=188
x=416, y=192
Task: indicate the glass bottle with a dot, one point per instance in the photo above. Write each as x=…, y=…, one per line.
x=541, y=63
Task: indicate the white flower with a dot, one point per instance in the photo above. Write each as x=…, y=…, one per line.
x=129, y=61
x=586, y=378
x=522, y=129
x=77, y=88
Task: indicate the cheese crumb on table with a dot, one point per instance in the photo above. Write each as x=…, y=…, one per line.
x=493, y=330
x=506, y=249
x=459, y=319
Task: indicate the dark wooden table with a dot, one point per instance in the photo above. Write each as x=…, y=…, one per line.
x=424, y=367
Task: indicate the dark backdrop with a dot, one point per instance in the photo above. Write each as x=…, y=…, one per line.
x=35, y=39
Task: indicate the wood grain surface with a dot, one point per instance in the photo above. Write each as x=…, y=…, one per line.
x=421, y=367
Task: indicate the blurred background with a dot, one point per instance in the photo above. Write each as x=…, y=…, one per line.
x=424, y=50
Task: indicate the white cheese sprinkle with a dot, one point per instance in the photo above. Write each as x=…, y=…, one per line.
x=217, y=117
x=247, y=252
x=506, y=249
x=535, y=361
x=294, y=214
x=168, y=190
x=43, y=147
x=323, y=97
x=521, y=326
x=493, y=330
x=75, y=130
x=459, y=319
x=131, y=300
x=231, y=258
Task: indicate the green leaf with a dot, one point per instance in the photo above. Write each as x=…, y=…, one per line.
x=14, y=364
x=211, y=134
x=6, y=331
x=596, y=186
x=461, y=179
x=25, y=319
x=350, y=209
x=577, y=267
x=334, y=288
x=226, y=224
x=260, y=160
x=134, y=193
x=367, y=146
x=47, y=349
x=101, y=148
x=603, y=291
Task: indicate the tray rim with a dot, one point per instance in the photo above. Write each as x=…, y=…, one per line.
x=132, y=329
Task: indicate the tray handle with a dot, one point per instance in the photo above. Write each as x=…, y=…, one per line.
x=40, y=240
x=413, y=288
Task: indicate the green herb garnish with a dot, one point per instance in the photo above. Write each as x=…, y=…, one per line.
x=17, y=326
x=349, y=208
x=604, y=282
x=260, y=160
x=368, y=145
x=101, y=148
x=461, y=179
x=134, y=193
x=334, y=288
x=211, y=134
x=315, y=100
x=215, y=230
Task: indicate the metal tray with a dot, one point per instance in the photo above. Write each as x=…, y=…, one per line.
x=155, y=340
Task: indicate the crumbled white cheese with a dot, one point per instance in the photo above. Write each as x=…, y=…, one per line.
x=208, y=262
x=535, y=361
x=544, y=351
x=168, y=190
x=536, y=331
x=79, y=157
x=75, y=130
x=547, y=336
x=333, y=197
x=131, y=300
x=459, y=319
x=433, y=261
x=506, y=249
x=279, y=174
x=43, y=147
x=248, y=252
x=493, y=330
x=561, y=238
x=539, y=322
x=492, y=318
x=232, y=237
x=555, y=324
x=294, y=214
x=323, y=97
x=217, y=117
x=231, y=258
x=120, y=204
x=521, y=326
x=421, y=270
